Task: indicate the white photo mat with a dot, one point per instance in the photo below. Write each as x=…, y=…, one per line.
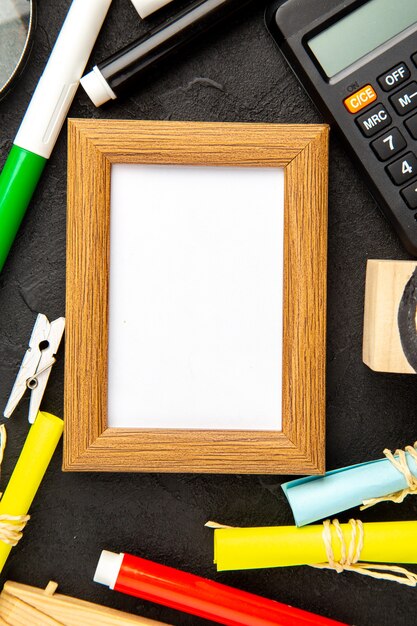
x=196, y=297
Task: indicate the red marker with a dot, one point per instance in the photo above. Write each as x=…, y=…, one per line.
x=198, y=596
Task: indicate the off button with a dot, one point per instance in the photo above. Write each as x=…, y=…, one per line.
x=360, y=99
x=394, y=77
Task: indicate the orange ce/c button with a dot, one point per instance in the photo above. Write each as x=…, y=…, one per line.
x=360, y=99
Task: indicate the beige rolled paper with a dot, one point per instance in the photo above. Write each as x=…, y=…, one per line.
x=284, y=546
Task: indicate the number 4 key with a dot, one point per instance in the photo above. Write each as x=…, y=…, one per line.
x=404, y=169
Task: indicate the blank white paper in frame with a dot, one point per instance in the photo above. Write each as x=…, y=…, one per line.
x=196, y=297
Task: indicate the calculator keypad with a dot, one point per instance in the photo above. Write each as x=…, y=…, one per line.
x=395, y=145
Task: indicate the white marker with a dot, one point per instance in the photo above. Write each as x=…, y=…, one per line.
x=46, y=114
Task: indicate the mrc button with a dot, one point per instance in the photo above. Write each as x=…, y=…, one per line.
x=373, y=120
x=360, y=99
x=394, y=77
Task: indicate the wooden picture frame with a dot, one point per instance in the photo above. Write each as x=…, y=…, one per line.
x=302, y=150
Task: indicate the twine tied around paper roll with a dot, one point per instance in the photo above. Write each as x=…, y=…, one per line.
x=349, y=560
x=401, y=465
x=11, y=526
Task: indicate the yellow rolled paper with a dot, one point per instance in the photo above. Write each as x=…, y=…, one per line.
x=282, y=546
x=30, y=468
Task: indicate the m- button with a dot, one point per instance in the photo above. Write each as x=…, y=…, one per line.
x=360, y=99
x=405, y=100
x=373, y=120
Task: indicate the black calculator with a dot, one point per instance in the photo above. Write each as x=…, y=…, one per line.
x=357, y=59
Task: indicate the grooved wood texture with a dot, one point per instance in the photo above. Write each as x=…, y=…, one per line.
x=303, y=151
x=385, y=284
x=22, y=604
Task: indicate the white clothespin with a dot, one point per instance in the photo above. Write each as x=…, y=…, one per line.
x=37, y=364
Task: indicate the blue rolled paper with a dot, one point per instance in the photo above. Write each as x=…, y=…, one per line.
x=318, y=497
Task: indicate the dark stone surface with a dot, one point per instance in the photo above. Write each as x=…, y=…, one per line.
x=238, y=75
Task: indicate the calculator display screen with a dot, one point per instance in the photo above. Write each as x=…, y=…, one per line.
x=360, y=32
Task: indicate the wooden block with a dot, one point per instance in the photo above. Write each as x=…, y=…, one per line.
x=50, y=588
x=71, y=611
x=16, y=612
x=390, y=322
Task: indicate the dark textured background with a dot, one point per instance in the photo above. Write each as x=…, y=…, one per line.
x=236, y=75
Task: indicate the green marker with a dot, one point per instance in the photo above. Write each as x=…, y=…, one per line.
x=46, y=115
x=18, y=181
